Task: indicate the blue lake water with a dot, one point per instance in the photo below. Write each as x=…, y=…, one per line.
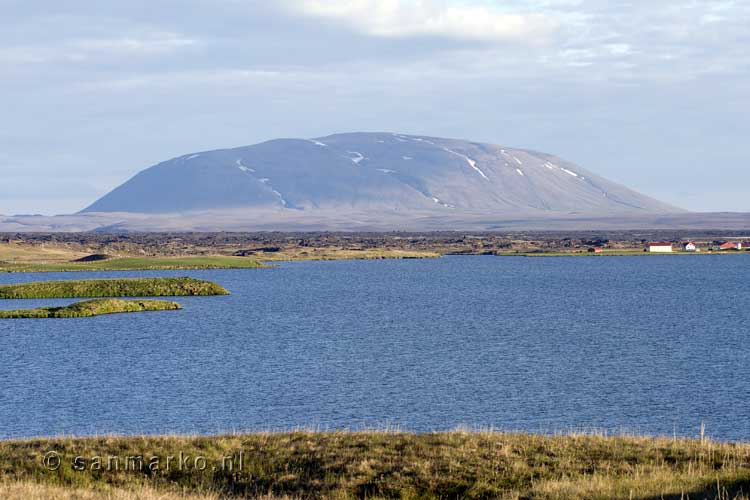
x=648, y=345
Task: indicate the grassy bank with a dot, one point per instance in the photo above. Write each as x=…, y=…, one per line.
x=135, y=264
x=386, y=465
x=294, y=254
x=610, y=253
x=126, y=287
x=91, y=308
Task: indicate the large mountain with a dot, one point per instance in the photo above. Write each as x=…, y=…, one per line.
x=375, y=173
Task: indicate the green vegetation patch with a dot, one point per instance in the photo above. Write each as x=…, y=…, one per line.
x=137, y=264
x=90, y=308
x=126, y=287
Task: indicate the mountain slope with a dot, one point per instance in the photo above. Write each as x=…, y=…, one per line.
x=376, y=172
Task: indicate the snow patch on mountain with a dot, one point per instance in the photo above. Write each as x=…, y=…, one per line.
x=358, y=157
x=472, y=163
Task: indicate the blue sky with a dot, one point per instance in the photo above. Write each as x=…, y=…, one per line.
x=654, y=95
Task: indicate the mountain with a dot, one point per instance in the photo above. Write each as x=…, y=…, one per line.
x=375, y=173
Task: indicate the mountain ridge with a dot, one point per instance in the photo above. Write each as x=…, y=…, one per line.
x=372, y=172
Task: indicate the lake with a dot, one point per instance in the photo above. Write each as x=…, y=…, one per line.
x=652, y=345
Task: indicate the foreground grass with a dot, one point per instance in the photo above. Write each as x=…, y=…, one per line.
x=125, y=287
x=91, y=308
x=35, y=491
x=373, y=465
x=136, y=264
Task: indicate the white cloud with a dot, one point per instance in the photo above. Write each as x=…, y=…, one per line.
x=87, y=49
x=618, y=49
x=165, y=80
x=405, y=18
x=153, y=45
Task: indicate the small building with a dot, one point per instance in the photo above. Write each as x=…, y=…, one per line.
x=595, y=250
x=660, y=247
x=730, y=245
x=690, y=246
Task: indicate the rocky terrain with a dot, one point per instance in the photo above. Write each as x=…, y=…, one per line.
x=273, y=245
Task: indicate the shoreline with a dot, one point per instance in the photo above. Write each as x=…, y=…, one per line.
x=592, y=433
x=87, y=252
x=270, y=262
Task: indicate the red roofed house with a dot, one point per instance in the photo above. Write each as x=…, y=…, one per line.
x=660, y=247
x=730, y=245
x=690, y=246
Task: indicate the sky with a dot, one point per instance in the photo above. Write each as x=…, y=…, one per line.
x=651, y=94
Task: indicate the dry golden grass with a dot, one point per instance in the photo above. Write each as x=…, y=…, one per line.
x=28, y=253
x=347, y=465
x=36, y=491
x=25, y=257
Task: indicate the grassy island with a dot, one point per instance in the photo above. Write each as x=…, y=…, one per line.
x=125, y=287
x=374, y=465
x=91, y=308
x=134, y=264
